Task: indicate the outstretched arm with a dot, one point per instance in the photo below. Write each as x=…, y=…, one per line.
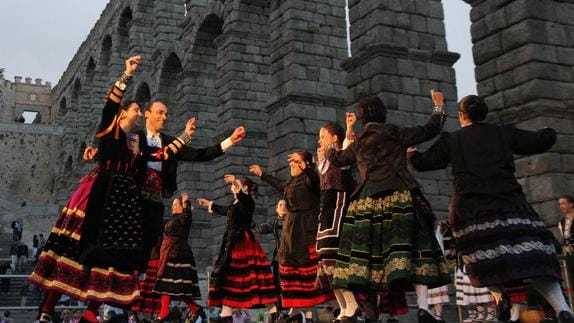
x=527, y=142
x=275, y=182
x=188, y=153
x=114, y=97
x=436, y=157
x=415, y=135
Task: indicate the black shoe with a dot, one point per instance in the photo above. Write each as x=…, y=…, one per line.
x=425, y=316
x=503, y=309
x=566, y=317
x=514, y=321
x=296, y=318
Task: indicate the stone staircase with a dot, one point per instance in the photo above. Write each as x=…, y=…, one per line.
x=19, y=287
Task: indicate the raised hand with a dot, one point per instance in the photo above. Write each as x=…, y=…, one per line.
x=437, y=98
x=184, y=199
x=295, y=159
x=132, y=64
x=230, y=179
x=89, y=153
x=350, y=120
x=190, y=127
x=255, y=169
x=203, y=202
x=238, y=134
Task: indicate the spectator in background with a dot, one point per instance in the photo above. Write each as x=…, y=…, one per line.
x=77, y=316
x=7, y=317
x=35, y=244
x=14, y=255
x=19, y=228
x=22, y=254
x=6, y=269
x=66, y=316
x=42, y=241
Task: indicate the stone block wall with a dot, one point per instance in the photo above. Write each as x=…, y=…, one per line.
x=524, y=56
x=29, y=153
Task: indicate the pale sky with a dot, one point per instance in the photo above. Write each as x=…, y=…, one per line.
x=38, y=38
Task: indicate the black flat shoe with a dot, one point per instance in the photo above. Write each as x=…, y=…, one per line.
x=425, y=317
x=296, y=318
x=566, y=317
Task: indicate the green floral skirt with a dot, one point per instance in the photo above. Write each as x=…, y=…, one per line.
x=388, y=241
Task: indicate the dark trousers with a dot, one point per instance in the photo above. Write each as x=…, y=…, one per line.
x=153, y=225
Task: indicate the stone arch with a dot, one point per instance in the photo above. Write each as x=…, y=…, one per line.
x=202, y=74
x=62, y=108
x=123, y=30
x=170, y=85
x=106, y=53
x=90, y=68
x=75, y=96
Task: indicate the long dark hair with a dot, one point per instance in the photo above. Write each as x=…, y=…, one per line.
x=372, y=109
x=252, y=187
x=306, y=156
x=568, y=198
x=335, y=129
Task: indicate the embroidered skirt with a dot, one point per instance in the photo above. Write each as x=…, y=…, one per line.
x=504, y=246
x=388, y=242
x=438, y=295
x=103, y=269
x=179, y=278
x=247, y=280
x=333, y=207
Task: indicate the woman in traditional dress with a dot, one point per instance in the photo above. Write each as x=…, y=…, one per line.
x=177, y=275
x=337, y=184
x=298, y=258
x=387, y=239
x=501, y=238
x=95, y=248
x=241, y=276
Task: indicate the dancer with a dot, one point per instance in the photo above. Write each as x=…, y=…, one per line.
x=439, y=295
x=275, y=227
x=566, y=204
x=298, y=259
x=337, y=184
x=387, y=239
x=177, y=275
x=96, y=245
x=241, y=276
x=501, y=238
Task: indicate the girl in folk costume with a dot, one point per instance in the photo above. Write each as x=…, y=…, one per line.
x=275, y=227
x=95, y=247
x=501, y=238
x=439, y=295
x=241, y=276
x=387, y=239
x=177, y=275
x=298, y=259
x=337, y=184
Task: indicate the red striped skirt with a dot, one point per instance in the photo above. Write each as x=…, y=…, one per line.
x=248, y=279
x=298, y=287
x=149, y=301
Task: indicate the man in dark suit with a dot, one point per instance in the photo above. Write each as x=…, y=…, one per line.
x=159, y=178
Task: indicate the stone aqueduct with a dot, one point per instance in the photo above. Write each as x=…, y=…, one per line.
x=282, y=68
